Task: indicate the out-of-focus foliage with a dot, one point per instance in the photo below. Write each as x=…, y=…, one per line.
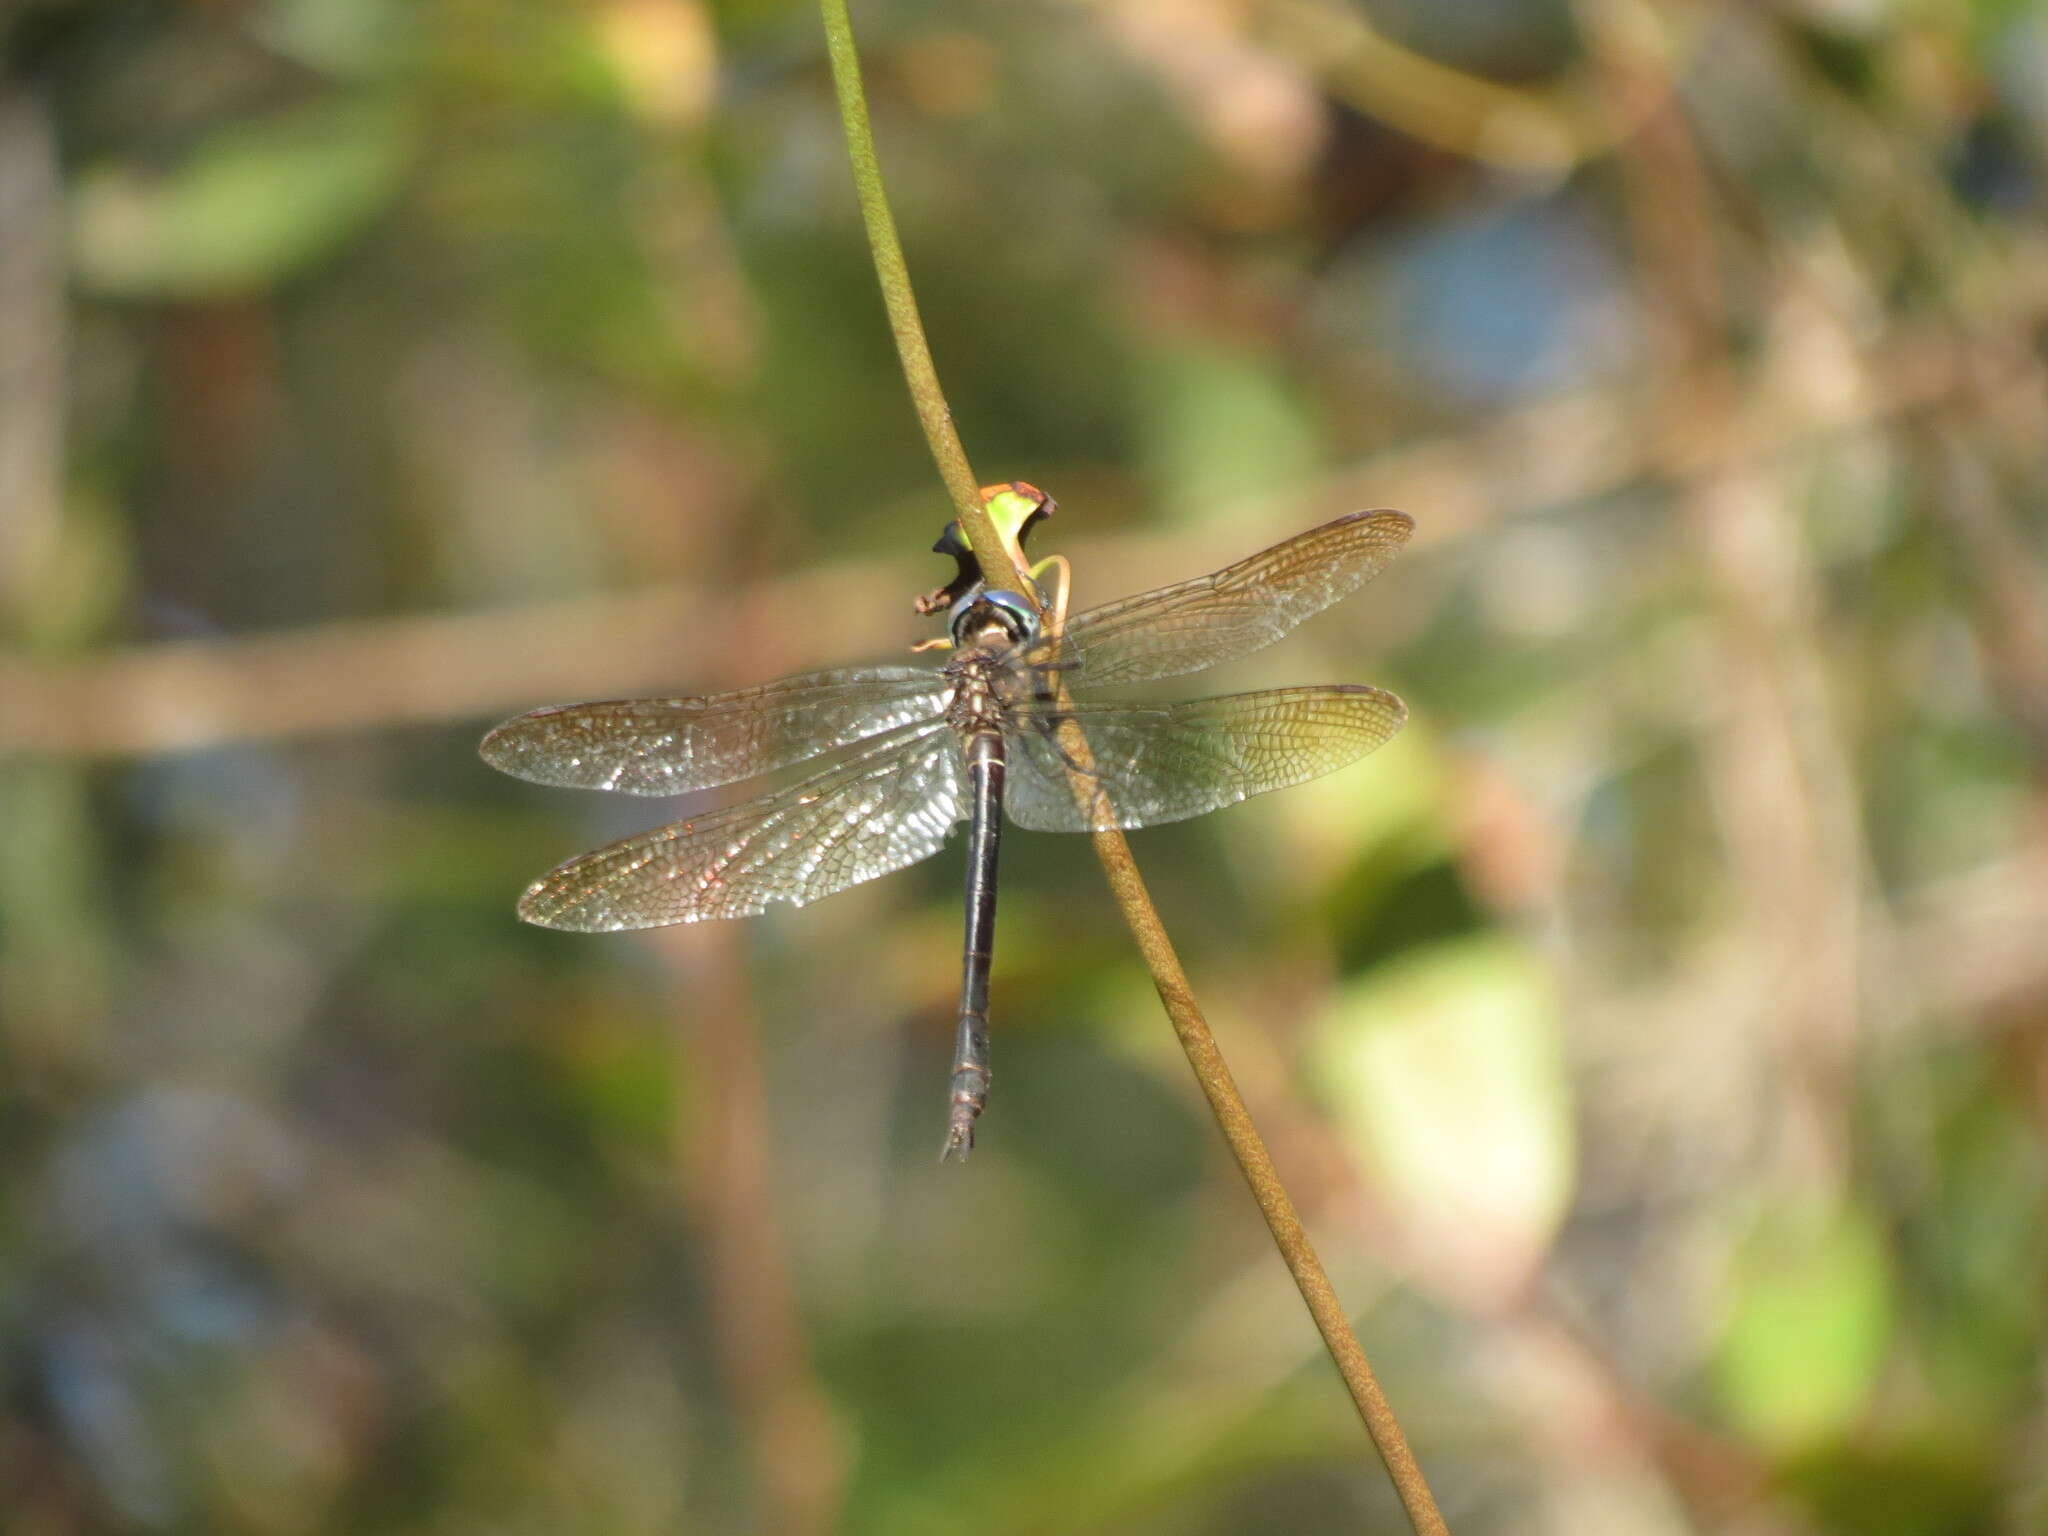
x=1656, y=1036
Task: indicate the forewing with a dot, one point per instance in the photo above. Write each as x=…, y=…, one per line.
x=1216, y=618
x=887, y=805
x=1154, y=764
x=673, y=746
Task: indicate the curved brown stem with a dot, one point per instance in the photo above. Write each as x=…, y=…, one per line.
x=1256, y=1164
x=919, y=372
x=1211, y=1071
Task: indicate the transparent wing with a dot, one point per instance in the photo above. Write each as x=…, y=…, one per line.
x=673, y=746
x=888, y=804
x=1230, y=613
x=1154, y=764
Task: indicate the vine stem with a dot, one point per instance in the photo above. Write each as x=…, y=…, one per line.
x=1111, y=848
x=933, y=414
x=1248, y=1147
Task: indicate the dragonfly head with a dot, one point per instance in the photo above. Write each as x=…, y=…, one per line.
x=1009, y=614
x=1016, y=509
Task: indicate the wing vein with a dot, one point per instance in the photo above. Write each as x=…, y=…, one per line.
x=902, y=790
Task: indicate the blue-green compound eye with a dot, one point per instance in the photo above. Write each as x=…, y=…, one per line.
x=1010, y=609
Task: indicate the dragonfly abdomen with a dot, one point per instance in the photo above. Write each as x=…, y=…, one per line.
x=986, y=767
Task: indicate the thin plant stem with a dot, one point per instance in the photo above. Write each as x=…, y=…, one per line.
x=901, y=302
x=1128, y=887
x=1248, y=1147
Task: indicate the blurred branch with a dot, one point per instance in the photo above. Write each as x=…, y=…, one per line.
x=2001, y=577
x=1783, y=790
x=1973, y=941
x=725, y=1143
x=1581, y=447
x=799, y=1460
x=32, y=326
x=2001, y=573
x=187, y=695
x=1530, y=128
x=1886, y=162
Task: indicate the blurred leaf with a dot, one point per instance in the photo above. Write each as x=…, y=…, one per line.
x=1812, y=1316
x=1931, y=1488
x=253, y=204
x=1220, y=427
x=343, y=37
x=1981, y=1273
x=54, y=950
x=1446, y=1072
x=84, y=576
x=623, y=1078
x=1390, y=905
x=1397, y=798
x=1336, y=847
x=665, y=55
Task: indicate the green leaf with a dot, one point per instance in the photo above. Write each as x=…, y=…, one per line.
x=1445, y=1070
x=1221, y=427
x=337, y=37
x=251, y=205
x=1807, y=1335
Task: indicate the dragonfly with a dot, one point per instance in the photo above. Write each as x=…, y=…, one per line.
x=1010, y=726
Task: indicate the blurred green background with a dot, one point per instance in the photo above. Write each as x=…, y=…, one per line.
x=1655, y=1036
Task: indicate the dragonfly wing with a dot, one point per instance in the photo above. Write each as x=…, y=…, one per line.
x=673, y=746
x=1153, y=764
x=1230, y=613
x=889, y=804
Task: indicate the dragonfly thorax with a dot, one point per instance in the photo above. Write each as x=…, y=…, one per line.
x=975, y=703
x=1008, y=613
x=987, y=628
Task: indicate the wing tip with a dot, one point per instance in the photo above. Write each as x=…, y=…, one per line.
x=556, y=902
x=501, y=744
x=492, y=749
x=1392, y=703
x=1389, y=518
x=1374, y=690
x=536, y=908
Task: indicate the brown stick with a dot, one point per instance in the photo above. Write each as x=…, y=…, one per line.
x=373, y=674
x=798, y=1457
x=919, y=372
x=33, y=361
x=1256, y=1164
x=1210, y=1070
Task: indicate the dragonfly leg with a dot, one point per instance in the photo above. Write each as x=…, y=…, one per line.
x=1073, y=764
x=1054, y=603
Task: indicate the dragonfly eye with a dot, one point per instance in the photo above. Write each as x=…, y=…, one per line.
x=1008, y=611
